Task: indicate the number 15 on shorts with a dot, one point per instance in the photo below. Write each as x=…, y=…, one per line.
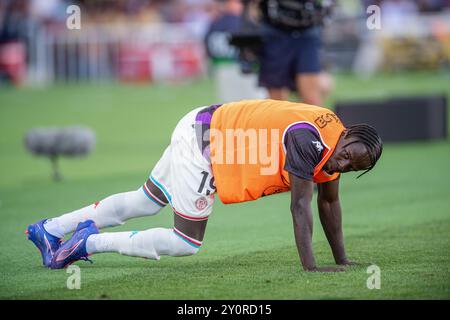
x=207, y=179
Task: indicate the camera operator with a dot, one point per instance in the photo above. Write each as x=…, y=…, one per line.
x=227, y=68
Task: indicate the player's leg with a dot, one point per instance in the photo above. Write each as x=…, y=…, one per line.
x=114, y=210
x=111, y=211
x=185, y=179
x=184, y=239
x=189, y=227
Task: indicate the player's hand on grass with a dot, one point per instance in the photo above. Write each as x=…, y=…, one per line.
x=326, y=269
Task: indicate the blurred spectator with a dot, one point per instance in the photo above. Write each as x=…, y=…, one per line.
x=48, y=11
x=14, y=32
x=395, y=14
x=198, y=15
x=228, y=20
x=14, y=20
x=432, y=5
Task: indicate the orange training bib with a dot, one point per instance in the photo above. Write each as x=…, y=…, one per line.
x=247, y=148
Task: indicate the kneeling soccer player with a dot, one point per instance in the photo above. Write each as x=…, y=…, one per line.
x=241, y=151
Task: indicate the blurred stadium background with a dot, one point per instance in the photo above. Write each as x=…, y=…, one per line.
x=135, y=67
x=153, y=40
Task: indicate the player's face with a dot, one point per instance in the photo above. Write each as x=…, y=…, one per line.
x=348, y=156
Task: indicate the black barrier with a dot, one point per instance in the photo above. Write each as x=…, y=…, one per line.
x=400, y=118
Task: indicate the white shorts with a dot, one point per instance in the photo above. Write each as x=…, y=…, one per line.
x=184, y=175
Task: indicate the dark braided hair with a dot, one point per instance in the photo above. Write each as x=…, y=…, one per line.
x=368, y=136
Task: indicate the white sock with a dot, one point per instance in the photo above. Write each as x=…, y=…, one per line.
x=147, y=244
x=112, y=211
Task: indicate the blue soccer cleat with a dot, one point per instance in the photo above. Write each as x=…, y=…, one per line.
x=74, y=249
x=44, y=241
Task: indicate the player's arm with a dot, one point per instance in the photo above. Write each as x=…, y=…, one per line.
x=301, y=196
x=331, y=218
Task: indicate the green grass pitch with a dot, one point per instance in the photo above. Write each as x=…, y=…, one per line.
x=397, y=217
